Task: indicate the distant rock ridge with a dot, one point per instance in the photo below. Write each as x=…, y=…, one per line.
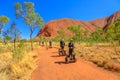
x=105, y=22
x=50, y=29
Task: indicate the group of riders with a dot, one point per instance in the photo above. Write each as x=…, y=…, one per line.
x=70, y=46
x=62, y=46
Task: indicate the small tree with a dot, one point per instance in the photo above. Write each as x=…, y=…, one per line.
x=40, y=40
x=85, y=34
x=30, y=17
x=117, y=30
x=113, y=33
x=61, y=33
x=18, y=38
x=3, y=21
x=14, y=32
x=6, y=37
x=97, y=36
x=0, y=39
x=77, y=31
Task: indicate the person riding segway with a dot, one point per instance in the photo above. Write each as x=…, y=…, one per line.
x=62, y=45
x=50, y=43
x=42, y=43
x=70, y=55
x=71, y=48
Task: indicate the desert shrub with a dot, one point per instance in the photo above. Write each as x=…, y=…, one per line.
x=90, y=44
x=4, y=76
x=14, y=67
x=95, y=61
x=18, y=52
x=4, y=66
x=116, y=67
x=0, y=39
x=4, y=61
x=100, y=63
x=3, y=49
x=108, y=66
x=56, y=39
x=106, y=63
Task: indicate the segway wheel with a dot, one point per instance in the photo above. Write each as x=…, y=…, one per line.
x=59, y=52
x=66, y=59
x=63, y=52
x=75, y=60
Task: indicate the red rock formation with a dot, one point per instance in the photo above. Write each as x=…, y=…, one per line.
x=111, y=19
x=105, y=22
x=50, y=29
x=98, y=22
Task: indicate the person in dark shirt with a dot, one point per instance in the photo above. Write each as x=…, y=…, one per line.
x=71, y=47
x=42, y=43
x=62, y=44
x=50, y=43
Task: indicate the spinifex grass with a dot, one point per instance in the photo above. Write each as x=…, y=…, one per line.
x=17, y=64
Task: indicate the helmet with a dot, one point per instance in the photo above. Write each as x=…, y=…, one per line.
x=62, y=39
x=71, y=39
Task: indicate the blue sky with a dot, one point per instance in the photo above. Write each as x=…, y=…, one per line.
x=55, y=9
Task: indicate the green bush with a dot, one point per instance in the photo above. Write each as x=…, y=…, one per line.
x=18, y=52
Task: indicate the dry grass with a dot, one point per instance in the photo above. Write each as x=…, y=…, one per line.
x=10, y=69
x=103, y=56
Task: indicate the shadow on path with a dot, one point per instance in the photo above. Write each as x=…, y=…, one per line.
x=55, y=56
x=60, y=62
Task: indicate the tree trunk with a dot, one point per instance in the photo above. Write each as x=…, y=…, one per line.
x=5, y=42
x=14, y=43
x=31, y=39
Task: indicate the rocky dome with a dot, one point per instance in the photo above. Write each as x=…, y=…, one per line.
x=50, y=29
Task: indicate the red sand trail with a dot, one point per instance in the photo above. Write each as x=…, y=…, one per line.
x=52, y=67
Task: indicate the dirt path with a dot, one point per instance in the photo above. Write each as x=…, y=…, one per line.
x=52, y=67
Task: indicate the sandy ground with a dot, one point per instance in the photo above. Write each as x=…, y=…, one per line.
x=52, y=67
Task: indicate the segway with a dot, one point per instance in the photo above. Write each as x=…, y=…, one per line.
x=70, y=59
x=61, y=52
x=50, y=44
